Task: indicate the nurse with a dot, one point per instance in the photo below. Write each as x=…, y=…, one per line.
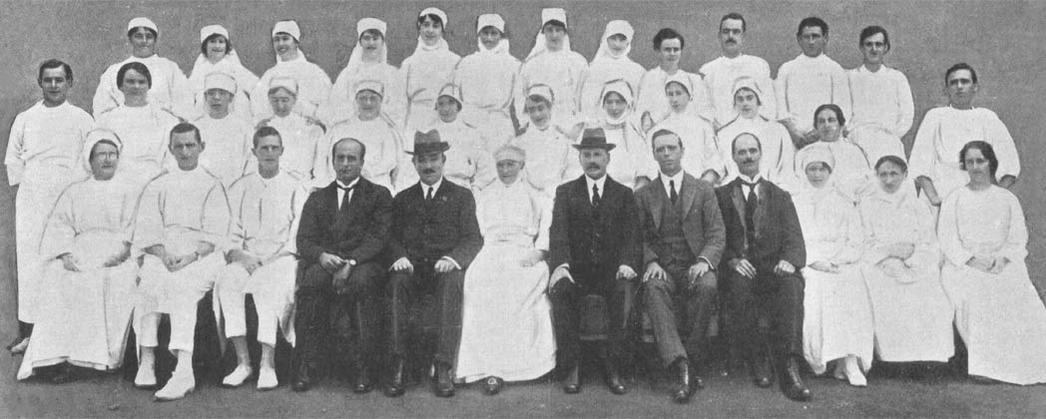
x=611, y=63
x=703, y=158
x=218, y=56
x=554, y=64
x=427, y=70
x=314, y=85
x=490, y=84
x=369, y=61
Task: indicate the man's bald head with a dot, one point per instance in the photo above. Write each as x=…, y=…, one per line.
x=747, y=150
x=351, y=145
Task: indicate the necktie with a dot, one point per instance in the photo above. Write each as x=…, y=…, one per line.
x=428, y=196
x=672, y=188
x=345, y=198
x=751, y=202
x=595, y=195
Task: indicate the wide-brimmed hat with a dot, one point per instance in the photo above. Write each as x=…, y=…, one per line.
x=428, y=142
x=594, y=138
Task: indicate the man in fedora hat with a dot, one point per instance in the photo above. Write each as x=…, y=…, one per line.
x=435, y=236
x=593, y=250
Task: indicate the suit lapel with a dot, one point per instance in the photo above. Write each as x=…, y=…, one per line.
x=658, y=202
x=581, y=192
x=688, y=192
x=739, y=202
x=763, y=200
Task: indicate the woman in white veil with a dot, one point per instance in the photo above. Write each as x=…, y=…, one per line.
x=427, y=70
x=369, y=61
x=218, y=55
x=610, y=63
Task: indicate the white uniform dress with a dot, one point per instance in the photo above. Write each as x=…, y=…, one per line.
x=852, y=173
x=805, y=83
x=942, y=134
x=701, y=148
x=90, y=310
x=178, y=210
x=384, y=151
x=549, y=157
x=43, y=157
x=999, y=316
x=169, y=90
x=228, y=143
x=314, y=87
x=722, y=73
x=506, y=327
x=605, y=66
x=468, y=164
x=265, y=217
x=651, y=95
x=490, y=83
x=423, y=73
x=837, y=316
x=913, y=317
x=302, y=141
x=563, y=71
x=882, y=111
x=778, y=152
x=230, y=64
x=145, y=132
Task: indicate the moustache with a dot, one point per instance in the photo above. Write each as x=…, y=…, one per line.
x=593, y=166
x=748, y=161
x=428, y=171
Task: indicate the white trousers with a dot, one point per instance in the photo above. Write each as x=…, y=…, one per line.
x=271, y=286
x=173, y=293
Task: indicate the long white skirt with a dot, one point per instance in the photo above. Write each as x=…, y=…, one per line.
x=506, y=327
x=913, y=320
x=86, y=319
x=33, y=203
x=1002, y=321
x=837, y=318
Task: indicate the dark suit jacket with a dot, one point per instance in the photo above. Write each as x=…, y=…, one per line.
x=577, y=238
x=702, y=223
x=777, y=232
x=359, y=233
x=445, y=226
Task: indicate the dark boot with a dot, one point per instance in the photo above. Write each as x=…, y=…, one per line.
x=762, y=371
x=363, y=383
x=396, y=382
x=613, y=378
x=792, y=382
x=302, y=377
x=683, y=387
x=444, y=382
x=572, y=382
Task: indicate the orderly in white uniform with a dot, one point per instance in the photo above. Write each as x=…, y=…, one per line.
x=181, y=227
x=852, y=174
x=170, y=89
x=218, y=56
x=552, y=63
x=778, y=152
x=944, y=131
x=721, y=74
x=882, y=99
x=368, y=61
x=314, y=85
x=301, y=137
x=548, y=147
x=43, y=153
x=490, y=83
x=506, y=284
x=808, y=81
x=227, y=136
x=376, y=131
x=266, y=209
x=652, y=105
x=703, y=157
x=610, y=63
x=997, y=311
x=468, y=163
x=427, y=70
x=90, y=275
x=143, y=126
x=837, y=316
x=632, y=164
x=901, y=267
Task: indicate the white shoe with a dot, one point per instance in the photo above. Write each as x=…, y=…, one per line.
x=267, y=379
x=853, y=373
x=20, y=347
x=177, y=387
x=146, y=377
x=237, y=376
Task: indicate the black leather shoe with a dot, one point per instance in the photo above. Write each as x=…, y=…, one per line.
x=683, y=387
x=363, y=384
x=572, y=383
x=614, y=382
x=761, y=372
x=444, y=382
x=396, y=382
x=492, y=385
x=792, y=382
x=302, y=378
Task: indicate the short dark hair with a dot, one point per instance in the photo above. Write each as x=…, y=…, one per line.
x=834, y=108
x=758, y=99
x=266, y=131
x=373, y=32
x=872, y=30
x=733, y=143
x=890, y=158
x=184, y=127
x=734, y=16
x=812, y=21
x=203, y=45
x=986, y=150
x=554, y=22
x=667, y=33
x=136, y=66
x=363, y=147
x=53, y=63
x=130, y=32
x=957, y=67
x=662, y=132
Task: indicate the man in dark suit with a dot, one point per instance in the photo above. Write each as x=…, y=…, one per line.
x=435, y=236
x=343, y=229
x=594, y=250
x=764, y=246
x=683, y=237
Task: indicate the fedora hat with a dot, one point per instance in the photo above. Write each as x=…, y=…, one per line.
x=428, y=142
x=594, y=138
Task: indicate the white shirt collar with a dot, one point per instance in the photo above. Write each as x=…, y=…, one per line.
x=434, y=186
x=599, y=184
x=677, y=178
x=350, y=184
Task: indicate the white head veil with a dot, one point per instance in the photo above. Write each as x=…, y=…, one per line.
x=291, y=28
x=356, y=60
x=623, y=88
x=615, y=27
x=441, y=45
x=496, y=21
x=93, y=138
x=548, y=15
